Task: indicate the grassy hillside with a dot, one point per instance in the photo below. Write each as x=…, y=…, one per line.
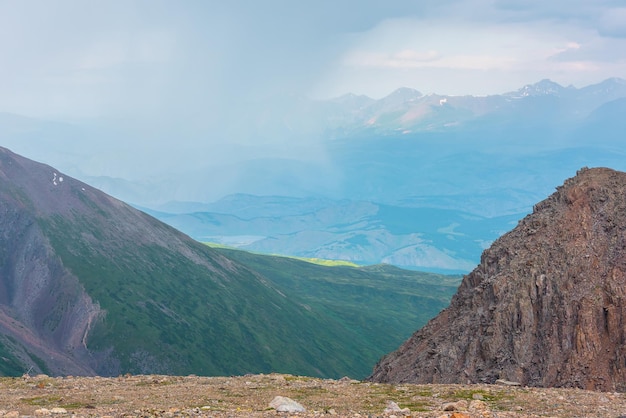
x=166, y=314
x=95, y=286
x=313, y=260
x=382, y=303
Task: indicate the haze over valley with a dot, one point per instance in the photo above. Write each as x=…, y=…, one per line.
x=439, y=123
x=418, y=181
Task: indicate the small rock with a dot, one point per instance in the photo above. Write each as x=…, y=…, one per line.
x=459, y=415
x=393, y=407
x=477, y=405
x=450, y=406
x=284, y=404
x=331, y=411
x=455, y=406
x=42, y=412
x=507, y=382
x=480, y=409
x=478, y=396
x=12, y=414
x=58, y=411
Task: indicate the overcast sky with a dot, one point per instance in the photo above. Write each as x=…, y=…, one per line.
x=149, y=58
x=155, y=88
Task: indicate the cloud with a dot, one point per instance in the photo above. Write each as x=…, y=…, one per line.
x=184, y=65
x=186, y=81
x=406, y=58
x=613, y=22
x=484, y=47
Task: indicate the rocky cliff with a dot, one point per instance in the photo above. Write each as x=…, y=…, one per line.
x=45, y=313
x=545, y=307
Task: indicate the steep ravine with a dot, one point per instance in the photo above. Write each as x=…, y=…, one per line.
x=45, y=311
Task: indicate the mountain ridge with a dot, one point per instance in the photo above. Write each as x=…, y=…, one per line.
x=90, y=285
x=545, y=305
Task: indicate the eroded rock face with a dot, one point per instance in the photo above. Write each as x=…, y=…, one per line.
x=43, y=308
x=545, y=307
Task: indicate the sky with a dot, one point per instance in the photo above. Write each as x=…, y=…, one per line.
x=146, y=74
x=191, y=59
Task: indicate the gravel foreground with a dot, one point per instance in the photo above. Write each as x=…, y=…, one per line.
x=250, y=396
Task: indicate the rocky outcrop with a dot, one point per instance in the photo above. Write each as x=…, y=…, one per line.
x=45, y=314
x=545, y=307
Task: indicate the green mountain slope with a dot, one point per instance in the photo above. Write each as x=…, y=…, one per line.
x=166, y=314
x=89, y=285
x=379, y=303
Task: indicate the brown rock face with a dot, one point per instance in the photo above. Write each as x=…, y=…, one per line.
x=545, y=307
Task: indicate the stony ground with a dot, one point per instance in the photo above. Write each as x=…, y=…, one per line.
x=173, y=396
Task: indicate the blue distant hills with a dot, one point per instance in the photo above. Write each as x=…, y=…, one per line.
x=420, y=181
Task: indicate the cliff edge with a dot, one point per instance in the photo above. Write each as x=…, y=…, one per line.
x=546, y=306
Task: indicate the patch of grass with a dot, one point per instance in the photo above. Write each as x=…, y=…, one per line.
x=154, y=383
x=42, y=400
x=325, y=262
x=292, y=378
x=305, y=392
x=487, y=395
x=416, y=406
x=77, y=405
x=405, y=397
x=9, y=363
x=217, y=245
x=425, y=392
x=39, y=362
x=209, y=404
x=312, y=260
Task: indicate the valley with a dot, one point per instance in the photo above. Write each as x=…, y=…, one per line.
x=91, y=286
x=424, y=182
x=365, y=233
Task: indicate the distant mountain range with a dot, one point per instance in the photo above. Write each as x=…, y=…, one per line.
x=481, y=161
x=407, y=111
x=89, y=285
x=426, y=163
